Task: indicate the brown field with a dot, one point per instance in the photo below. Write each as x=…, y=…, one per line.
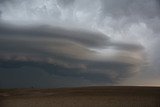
x=82, y=97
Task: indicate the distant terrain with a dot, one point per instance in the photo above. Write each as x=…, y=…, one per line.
x=82, y=97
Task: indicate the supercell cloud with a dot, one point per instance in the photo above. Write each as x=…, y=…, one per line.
x=64, y=43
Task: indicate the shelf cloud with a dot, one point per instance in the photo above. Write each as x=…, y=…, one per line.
x=68, y=53
x=64, y=43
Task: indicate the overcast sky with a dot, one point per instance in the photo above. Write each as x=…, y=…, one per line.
x=68, y=43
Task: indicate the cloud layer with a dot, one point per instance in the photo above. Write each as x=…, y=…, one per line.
x=68, y=53
x=60, y=43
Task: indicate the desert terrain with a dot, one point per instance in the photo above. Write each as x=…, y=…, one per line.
x=82, y=97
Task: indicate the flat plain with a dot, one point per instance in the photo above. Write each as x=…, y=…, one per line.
x=102, y=96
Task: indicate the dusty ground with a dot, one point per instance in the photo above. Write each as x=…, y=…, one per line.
x=82, y=97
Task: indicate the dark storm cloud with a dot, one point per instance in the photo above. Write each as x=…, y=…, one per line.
x=64, y=53
x=82, y=37
x=66, y=56
x=0, y=14
x=1, y=1
x=97, y=72
x=158, y=1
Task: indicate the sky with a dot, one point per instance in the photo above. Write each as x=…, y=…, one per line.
x=74, y=43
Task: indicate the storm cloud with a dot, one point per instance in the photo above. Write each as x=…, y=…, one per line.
x=67, y=53
x=62, y=43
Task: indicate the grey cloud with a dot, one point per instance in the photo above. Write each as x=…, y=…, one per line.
x=65, y=3
x=108, y=73
x=62, y=53
x=80, y=36
x=1, y=1
x=36, y=77
x=143, y=8
x=127, y=46
x=69, y=56
x=158, y=1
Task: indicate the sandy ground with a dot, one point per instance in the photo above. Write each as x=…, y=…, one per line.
x=82, y=97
